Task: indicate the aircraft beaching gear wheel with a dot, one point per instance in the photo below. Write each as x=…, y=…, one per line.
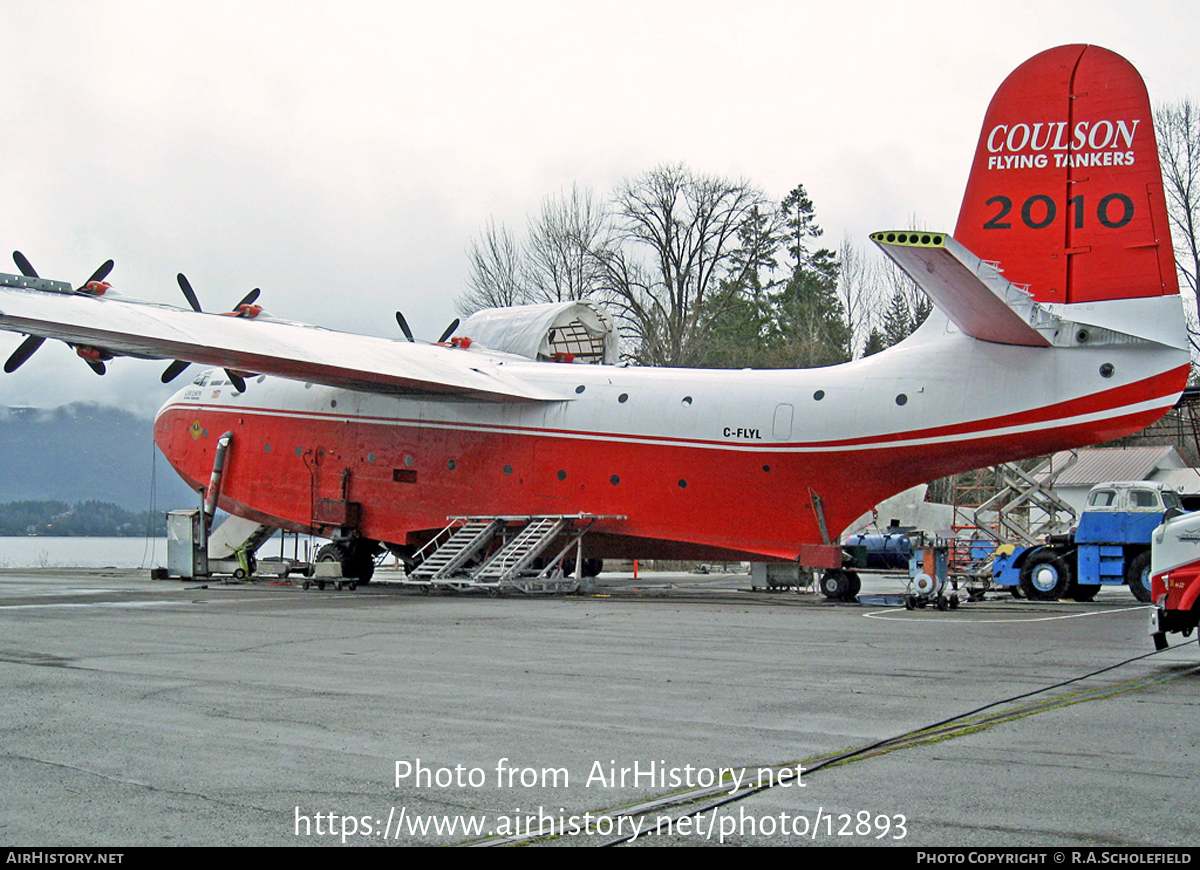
x=1045, y=576
x=839, y=585
x=356, y=562
x=1138, y=576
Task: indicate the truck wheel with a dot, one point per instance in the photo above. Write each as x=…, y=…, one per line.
x=1138, y=576
x=1045, y=577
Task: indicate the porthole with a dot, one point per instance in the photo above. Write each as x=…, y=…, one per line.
x=508, y=469
x=451, y=464
x=819, y=395
x=1107, y=370
x=580, y=388
x=683, y=484
x=687, y=400
x=615, y=479
x=624, y=397
x=562, y=474
x=902, y=399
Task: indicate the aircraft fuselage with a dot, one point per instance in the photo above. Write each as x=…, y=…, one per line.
x=699, y=462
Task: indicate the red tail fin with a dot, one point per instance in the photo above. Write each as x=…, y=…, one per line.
x=1066, y=191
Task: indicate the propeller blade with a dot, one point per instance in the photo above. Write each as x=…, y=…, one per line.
x=26, y=269
x=23, y=352
x=404, y=326
x=174, y=370
x=449, y=330
x=237, y=380
x=248, y=298
x=188, y=292
x=101, y=273
x=96, y=365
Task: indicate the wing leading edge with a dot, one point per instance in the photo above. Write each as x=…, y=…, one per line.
x=265, y=345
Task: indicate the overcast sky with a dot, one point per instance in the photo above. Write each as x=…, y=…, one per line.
x=342, y=155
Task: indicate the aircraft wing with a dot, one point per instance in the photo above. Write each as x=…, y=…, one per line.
x=127, y=327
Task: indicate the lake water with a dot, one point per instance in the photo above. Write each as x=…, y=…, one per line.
x=47, y=552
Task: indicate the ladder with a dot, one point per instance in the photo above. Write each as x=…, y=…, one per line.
x=519, y=553
x=470, y=537
x=465, y=555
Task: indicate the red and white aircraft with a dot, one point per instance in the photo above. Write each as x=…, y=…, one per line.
x=1058, y=323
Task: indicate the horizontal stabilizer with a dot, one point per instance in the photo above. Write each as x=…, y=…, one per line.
x=972, y=293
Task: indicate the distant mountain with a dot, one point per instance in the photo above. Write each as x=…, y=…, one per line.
x=85, y=451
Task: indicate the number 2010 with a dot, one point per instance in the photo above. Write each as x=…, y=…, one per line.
x=1039, y=211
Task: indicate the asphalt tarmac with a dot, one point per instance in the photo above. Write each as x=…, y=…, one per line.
x=140, y=712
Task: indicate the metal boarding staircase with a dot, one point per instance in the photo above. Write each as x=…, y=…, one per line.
x=465, y=555
x=1021, y=508
x=455, y=552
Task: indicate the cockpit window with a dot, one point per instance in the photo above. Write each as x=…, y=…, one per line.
x=201, y=379
x=1102, y=498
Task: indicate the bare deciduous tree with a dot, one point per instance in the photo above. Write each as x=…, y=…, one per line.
x=497, y=271
x=1178, y=128
x=676, y=235
x=563, y=241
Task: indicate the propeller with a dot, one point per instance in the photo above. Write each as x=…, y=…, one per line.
x=404, y=326
x=188, y=292
x=176, y=368
x=23, y=352
x=409, y=334
x=23, y=264
x=29, y=346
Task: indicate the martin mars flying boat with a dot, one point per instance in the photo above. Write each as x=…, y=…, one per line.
x=1058, y=323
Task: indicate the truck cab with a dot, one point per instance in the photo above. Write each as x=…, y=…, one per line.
x=1175, y=577
x=1109, y=546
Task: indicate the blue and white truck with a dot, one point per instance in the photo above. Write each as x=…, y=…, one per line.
x=1109, y=546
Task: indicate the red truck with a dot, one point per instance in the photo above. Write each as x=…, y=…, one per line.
x=1175, y=577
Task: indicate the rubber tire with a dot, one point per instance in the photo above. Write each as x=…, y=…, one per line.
x=1061, y=574
x=361, y=568
x=839, y=585
x=835, y=583
x=1137, y=576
